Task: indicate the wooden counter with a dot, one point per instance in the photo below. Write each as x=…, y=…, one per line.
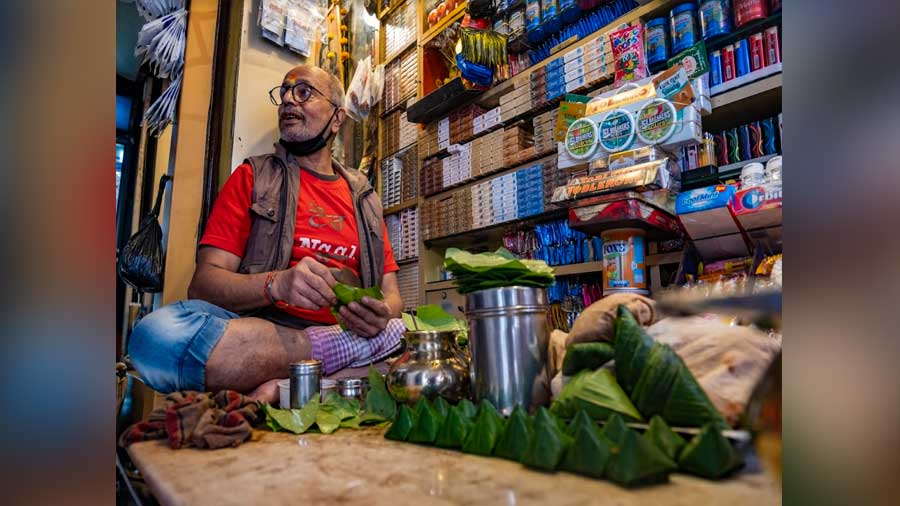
x=361, y=467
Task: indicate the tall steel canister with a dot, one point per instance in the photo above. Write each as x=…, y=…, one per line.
x=508, y=343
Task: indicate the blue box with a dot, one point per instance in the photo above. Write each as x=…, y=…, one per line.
x=704, y=199
x=555, y=64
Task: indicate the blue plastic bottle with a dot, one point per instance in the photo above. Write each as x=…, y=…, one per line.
x=569, y=12
x=550, y=16
x=533, y=21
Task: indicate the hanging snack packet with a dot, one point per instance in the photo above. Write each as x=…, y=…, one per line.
x=628, y=54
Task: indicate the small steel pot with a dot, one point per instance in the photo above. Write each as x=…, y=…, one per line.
x=432, y=366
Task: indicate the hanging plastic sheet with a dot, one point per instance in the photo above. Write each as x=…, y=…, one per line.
x=161, y=113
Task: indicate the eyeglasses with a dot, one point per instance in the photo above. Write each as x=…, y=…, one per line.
x=302, y=92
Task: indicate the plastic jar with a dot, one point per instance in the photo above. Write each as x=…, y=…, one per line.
x=656, y=39
x=683, y=19
x=753, y=174
x=773, y=169
x=715, y=18
x=746, y=11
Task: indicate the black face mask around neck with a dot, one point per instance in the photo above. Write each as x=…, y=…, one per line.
x=311, y=145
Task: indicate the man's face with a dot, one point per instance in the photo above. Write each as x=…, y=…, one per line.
x=302, y=121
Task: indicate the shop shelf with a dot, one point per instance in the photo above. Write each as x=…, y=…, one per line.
x=400, y=207
x=440, y=102
x=454, y=15
x=440, y=285
x=744, y=32
x=399, y=52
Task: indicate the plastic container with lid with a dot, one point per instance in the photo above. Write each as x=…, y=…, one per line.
x=533, y=21
x=753, y=174
x=715, y=18
x=746, y=11
x=656, y=40
x=683, y=19
x=773, y=169
x=569, y=11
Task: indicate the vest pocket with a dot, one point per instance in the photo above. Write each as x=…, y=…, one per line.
x=265, y=209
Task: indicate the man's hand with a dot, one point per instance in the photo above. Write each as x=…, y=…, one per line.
x=366, y=319
x=308, y=284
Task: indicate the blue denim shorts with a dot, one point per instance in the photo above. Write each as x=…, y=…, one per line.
x=169, y=347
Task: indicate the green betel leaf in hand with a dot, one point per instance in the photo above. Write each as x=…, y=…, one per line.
x=346, y=294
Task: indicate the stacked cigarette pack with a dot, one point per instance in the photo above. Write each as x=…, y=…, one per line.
x=518, y=145
x=486, y=121
x=516, y=102
x=458, y=166
x=409, y=179
x=400, y=79
x=408, y=132
x=530, y=188
x=409, y=235
x=408, y=283
x=432, y=176
x=504, y=195
x=461, y=123
x=482, y=205
x=487, y=153
x=391, y=172
x=544, y=124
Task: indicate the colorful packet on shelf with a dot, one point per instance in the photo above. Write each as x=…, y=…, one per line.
x=628, y=54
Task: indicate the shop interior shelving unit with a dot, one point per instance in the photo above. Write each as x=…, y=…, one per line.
x=759, y=97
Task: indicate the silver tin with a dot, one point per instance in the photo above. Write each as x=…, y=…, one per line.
x=508, y=342
x=352, y=388
x=305, y=376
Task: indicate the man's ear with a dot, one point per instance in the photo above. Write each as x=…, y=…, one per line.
x=339, y=120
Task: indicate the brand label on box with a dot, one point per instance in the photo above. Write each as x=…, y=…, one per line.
x=703, y=199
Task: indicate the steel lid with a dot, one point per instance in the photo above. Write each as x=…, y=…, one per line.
x=507, y=297
x=306, y=367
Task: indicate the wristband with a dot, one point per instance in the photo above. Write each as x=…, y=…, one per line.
x=267, y=289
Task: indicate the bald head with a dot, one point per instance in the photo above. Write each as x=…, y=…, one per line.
x=301, y=119
x=318, y=78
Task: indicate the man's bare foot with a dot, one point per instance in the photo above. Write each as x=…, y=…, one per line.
x=267, y=392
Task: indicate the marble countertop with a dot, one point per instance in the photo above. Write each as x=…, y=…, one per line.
x=353, y=467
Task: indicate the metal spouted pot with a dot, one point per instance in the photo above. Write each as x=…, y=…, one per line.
x=432, y=365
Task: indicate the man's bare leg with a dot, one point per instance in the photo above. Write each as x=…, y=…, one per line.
x=251, y=352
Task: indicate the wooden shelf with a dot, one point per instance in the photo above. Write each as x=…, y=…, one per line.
x=739, y=93
x=454, y=15
x=479, y=237
x=383, y=14
x=402, y=50
x=573, y=269
x=401, y=104
x=401, y=206
x=482, y=177
x=406, y=261
x=440, y=285
x=491, y=97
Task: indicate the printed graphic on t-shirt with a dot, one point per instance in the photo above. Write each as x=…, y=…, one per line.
x=320, y=218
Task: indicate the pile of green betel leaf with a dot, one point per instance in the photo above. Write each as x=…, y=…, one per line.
x=655, y=384
x=501, y=268
x=336, y=412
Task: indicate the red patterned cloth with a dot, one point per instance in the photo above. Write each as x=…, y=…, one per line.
x=200, y=419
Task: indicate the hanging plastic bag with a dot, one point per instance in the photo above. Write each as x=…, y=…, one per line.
x=141, y=261
x=358, y=105
x=376, y=81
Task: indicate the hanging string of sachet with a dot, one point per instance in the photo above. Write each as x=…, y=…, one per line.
x=161, y=44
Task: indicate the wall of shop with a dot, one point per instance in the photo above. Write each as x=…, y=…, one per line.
x=262, y=66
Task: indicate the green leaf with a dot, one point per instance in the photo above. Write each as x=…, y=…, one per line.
x=297, y=421
x=548, y=444
x=401, y=425
x=588, y=356
x=490, y=270
x=596, y=392
x=590, y=451
x=657, y=379
x=487, y=430
x=441, y=406
x=664, y=438
x=581, y=418
x=615, y=429
x=514, y=441
x=378, y=399
x=327, y=420
x=467, y=409
x=346, y=294
x=454, y=430
x=709, y=454
x=340, y=406
x=427, y=423
x=635, y=461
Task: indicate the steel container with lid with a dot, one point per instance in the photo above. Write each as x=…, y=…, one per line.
x=508, y=343
x=352, y=388
x=304, y=376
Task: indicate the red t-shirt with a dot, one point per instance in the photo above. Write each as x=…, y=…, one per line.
x=325, y=229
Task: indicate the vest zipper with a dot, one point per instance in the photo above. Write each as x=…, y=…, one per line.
x=365, y=222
